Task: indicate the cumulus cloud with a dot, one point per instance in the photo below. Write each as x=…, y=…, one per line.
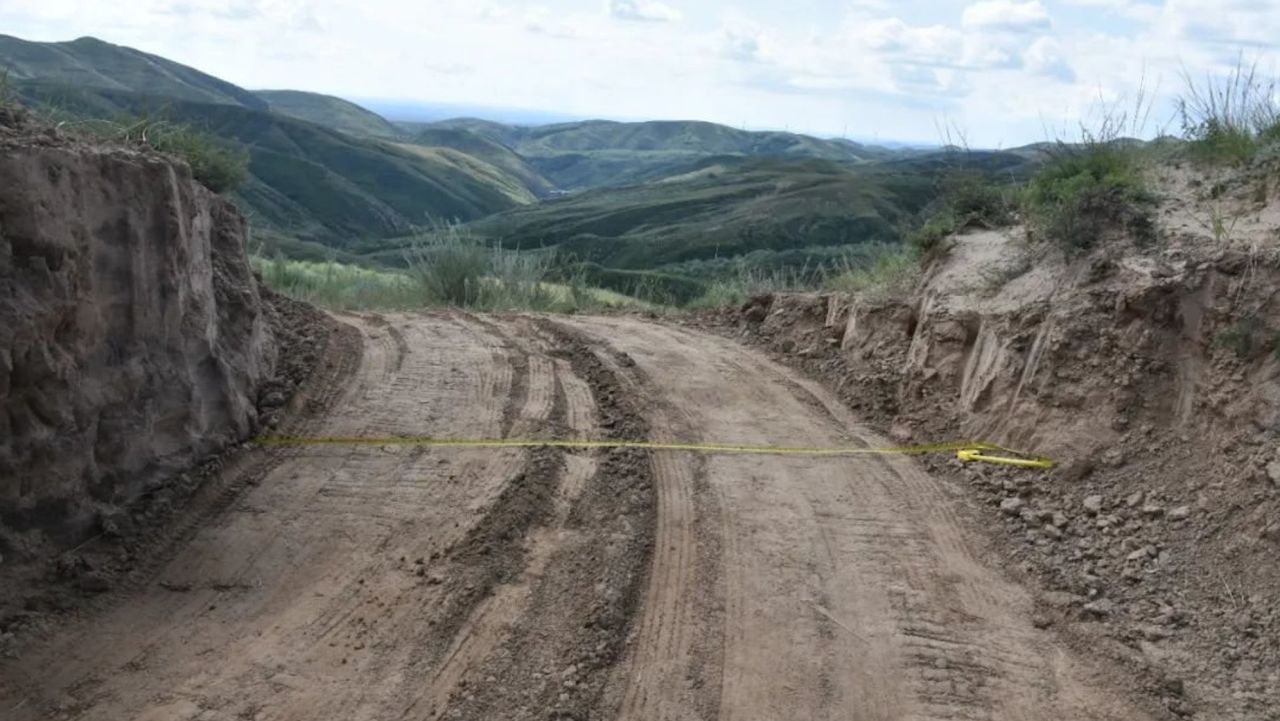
x=927, y=45
x=1006, y=16
x=643, y=11
x=1044, y=57
x=738, y=44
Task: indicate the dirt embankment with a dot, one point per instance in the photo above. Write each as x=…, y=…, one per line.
x=133, y=338
x=1152, y=375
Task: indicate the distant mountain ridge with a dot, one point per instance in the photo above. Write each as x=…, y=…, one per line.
x=330, y=176
x=331, y=111
x=91, y=63
x=335, y=182
x=605, y=153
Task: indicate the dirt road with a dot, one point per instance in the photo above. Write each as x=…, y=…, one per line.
x=378, y=583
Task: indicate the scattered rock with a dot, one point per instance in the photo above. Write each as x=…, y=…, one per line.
x=1100, y=608
x=1151, y=510
x=1010, y=506
x=1093, y=504
x=1273, y=472
x=1181, y=513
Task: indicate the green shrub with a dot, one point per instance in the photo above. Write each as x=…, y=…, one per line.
x=454, y=267
x=1085, y=190
x=1228, y=119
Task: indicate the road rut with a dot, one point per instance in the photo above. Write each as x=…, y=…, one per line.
x=395, y=582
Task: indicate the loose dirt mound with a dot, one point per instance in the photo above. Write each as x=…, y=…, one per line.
x=1153, y=375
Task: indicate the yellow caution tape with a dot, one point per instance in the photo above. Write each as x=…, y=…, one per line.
x=975, y=454
x=967, y=451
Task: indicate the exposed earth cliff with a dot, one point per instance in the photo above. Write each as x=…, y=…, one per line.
x=133, y=337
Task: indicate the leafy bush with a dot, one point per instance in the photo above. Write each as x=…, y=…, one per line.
x=1086, y=189
x=1229, y=119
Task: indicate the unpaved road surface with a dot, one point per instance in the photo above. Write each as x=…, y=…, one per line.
x=380, y=583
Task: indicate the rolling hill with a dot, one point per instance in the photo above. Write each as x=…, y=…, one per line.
x=686, y=198
x=602, y=153
x=330, y=111
x=92, y=63
x=308, y=180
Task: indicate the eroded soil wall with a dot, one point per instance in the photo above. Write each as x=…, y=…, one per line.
x=132, y=335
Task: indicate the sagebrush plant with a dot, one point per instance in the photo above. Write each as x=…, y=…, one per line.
x=1087, y=189
x=1228, y=119
x=1096, y=183
x=451, y=266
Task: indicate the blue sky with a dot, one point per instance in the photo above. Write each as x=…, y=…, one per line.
x=996, y=72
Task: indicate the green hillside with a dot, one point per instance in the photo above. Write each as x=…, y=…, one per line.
x=327, y=110
x=781, y=212
x=314, y=182
x=490, y=151
x=92, y=63
x=601, y=153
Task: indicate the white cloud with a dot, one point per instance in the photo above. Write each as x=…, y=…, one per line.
x=738, y=44
x=643, y=10
x=929, y=45
x=1044, y=57
x=1006, y=16
x=540, y=20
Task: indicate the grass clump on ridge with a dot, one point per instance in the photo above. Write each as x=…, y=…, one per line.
x=1085, y=190
x=1095, y=185
x=336, y=286
x=885, y=271
x=216, y=164
x=745, y=282
x=1228, y=119
x=453, y=267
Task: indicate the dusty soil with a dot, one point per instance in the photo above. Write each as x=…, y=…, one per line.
x=363, y=582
